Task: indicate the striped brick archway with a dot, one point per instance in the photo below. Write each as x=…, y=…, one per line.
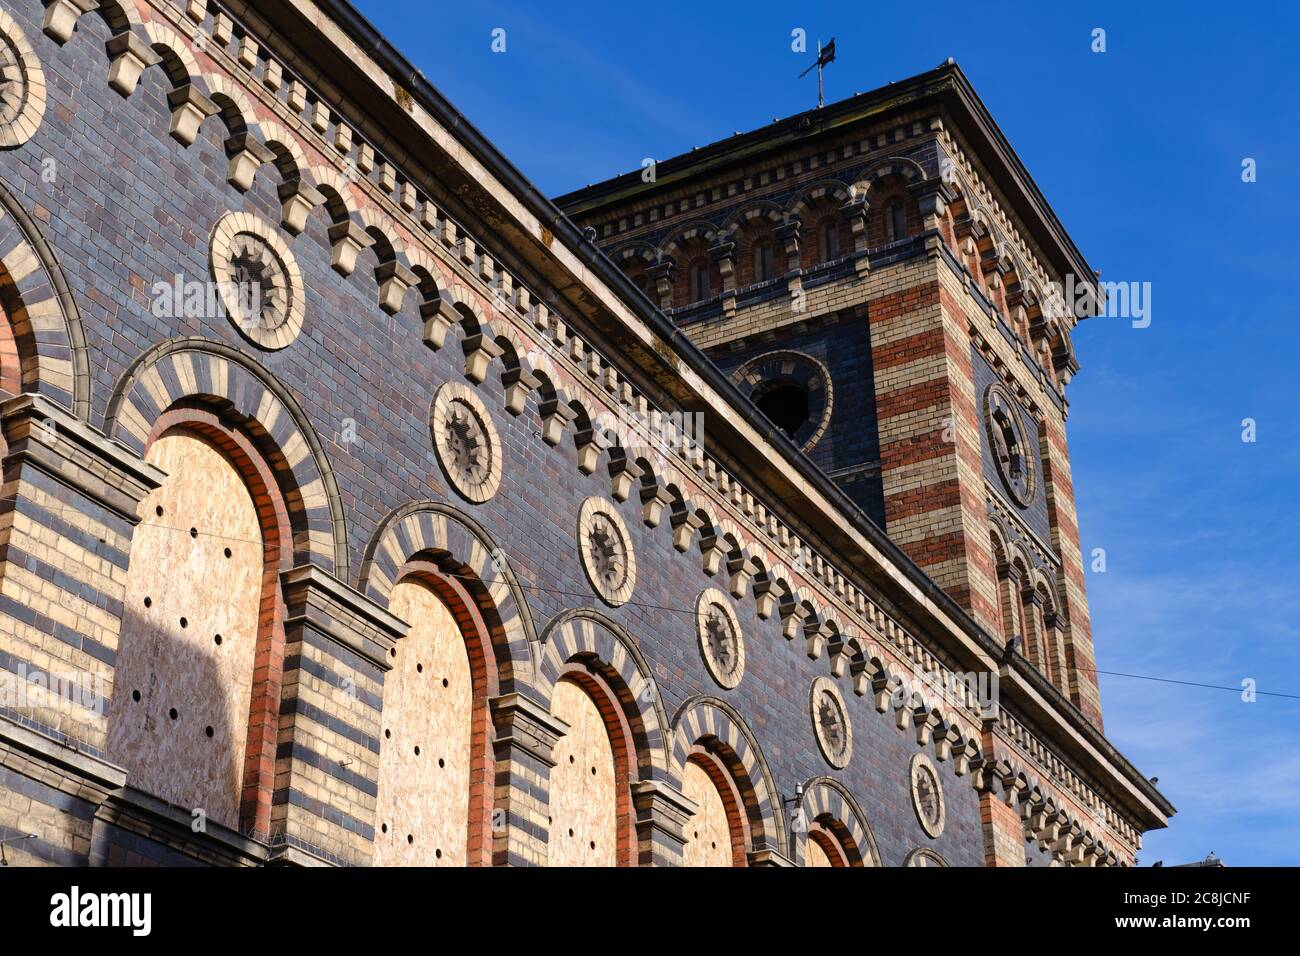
x=829, y=808
x=584, y=647
x=44, y=343
x=461, y=549
x=201, y=372
x=447, y=550
x=587, y=635
x=714, y=727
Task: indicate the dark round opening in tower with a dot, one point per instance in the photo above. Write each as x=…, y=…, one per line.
x=786, y=404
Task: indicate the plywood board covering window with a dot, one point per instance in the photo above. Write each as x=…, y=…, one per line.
x=584, y=815
x=424, y=757
x=816, y=854
x=179, y=720
x=708, y=833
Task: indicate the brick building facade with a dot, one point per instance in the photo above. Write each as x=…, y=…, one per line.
x=348, y=519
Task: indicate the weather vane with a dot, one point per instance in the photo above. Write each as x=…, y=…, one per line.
x=825, y=55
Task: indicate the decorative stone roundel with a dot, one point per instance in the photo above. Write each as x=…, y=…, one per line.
x=606, y=550
x=792, y=389
x=1015, y=451
x=927, y=795
x=831, y=722
x=722, y=645
x=466, y=442
x=259, y=280
x=22, y=85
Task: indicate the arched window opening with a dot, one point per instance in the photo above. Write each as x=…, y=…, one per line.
x=762, y=261
x=896, y=221
x=715, y=836
x=699, y=280
x=829, y=240
x=823, y=849
x=196, y=582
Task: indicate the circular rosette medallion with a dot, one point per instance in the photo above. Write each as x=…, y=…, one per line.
x=466, y=442
x=722, y=645
x=258, y=280
x=831, y=722
x=22, y=85
x=927, y=795
x=606, y=550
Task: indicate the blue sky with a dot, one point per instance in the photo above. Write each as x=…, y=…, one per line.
x=1139, y=149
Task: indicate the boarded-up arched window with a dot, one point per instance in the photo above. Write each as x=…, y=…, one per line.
x=424, y=758
x=584, y=789
x=179, y=717
x=823, y=850
x=708, y=833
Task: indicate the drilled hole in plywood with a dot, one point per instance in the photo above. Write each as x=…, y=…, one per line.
x=410, y=839
x=570, y=758
x=194, y=532
x=148, y=602
x=392, y=652
x=419, y=668
x=227, y=552
x=173, y=713
x=135, y=696
x=570, y=831
x=383, y=828
x=445, y=682
x=158, y=511
x=388, y=734
x=209, y=731
x=185, y=622
x=593, y=771
x=441, y=763
x=592, y=844
x=217, y=640
x=417, y=750
x=438, y=854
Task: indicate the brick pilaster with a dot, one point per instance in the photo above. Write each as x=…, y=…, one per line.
x=67, y=517
x=661, y=815
x=526, y=734
x=929, y=429
x=327, y=760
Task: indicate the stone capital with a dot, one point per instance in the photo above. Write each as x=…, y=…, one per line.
x=661, y=816
x=315, y=598
x=42, y=433
x=524, y=724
